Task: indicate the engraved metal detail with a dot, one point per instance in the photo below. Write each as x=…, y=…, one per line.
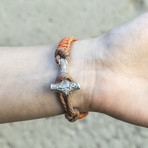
x=65, y=86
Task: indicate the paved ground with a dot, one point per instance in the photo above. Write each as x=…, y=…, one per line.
x=36, y=22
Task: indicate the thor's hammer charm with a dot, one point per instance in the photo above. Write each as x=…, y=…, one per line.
x=65, y=86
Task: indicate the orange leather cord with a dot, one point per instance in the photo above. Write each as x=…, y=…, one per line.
x=63, y=51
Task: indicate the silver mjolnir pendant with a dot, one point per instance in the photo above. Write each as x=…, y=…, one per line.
x=65, y=86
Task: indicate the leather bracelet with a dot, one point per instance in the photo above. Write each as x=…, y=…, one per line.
x=64, y=82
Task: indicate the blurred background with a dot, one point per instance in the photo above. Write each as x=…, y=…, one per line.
x=38, y=22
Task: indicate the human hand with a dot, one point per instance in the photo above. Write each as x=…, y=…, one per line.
x=113, y=72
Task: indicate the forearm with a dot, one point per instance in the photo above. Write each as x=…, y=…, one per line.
x=25, y=75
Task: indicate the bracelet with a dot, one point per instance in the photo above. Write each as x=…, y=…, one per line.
x=64, y=82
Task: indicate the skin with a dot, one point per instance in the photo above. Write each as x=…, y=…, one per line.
x=112, y=71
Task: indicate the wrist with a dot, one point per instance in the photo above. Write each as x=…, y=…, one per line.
x=82, y=68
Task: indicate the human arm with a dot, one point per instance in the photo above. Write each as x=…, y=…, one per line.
x=25, y=76
x=122, y=75
x=113, y=80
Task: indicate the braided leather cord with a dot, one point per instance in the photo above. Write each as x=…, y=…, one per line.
x=63, y=51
